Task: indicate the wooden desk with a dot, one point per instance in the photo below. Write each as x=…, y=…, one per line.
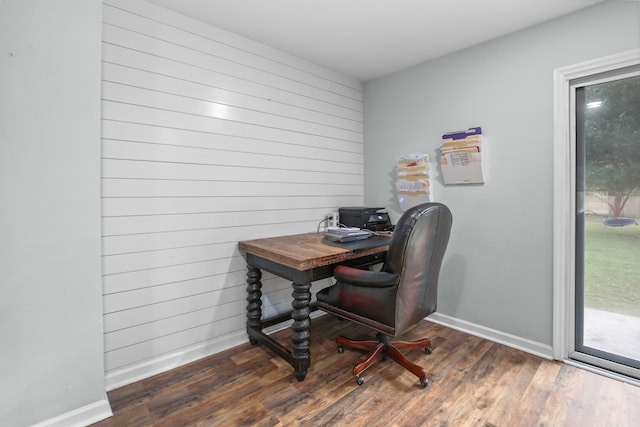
x=301, y=258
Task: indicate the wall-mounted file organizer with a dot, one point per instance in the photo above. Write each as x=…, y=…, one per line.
x=463, y=157
x=412, y=182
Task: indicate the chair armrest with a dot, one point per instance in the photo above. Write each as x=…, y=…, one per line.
x=367, y=278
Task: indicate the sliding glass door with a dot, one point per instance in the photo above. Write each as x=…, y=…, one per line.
x=607, y=234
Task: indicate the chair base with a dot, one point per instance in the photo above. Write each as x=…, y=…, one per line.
x=383, y=348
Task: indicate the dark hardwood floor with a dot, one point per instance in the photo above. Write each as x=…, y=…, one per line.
x=473, y=382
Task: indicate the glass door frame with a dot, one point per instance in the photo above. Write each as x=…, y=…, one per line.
x=566, y=79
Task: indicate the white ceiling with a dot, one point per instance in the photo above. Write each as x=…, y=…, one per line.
x=367, y=39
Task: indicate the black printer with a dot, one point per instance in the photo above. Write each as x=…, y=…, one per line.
x=366, y=218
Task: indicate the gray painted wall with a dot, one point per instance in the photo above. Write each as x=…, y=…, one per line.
x=51, y=358
x=498, y=270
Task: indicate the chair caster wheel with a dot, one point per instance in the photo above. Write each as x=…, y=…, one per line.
x=424, y=383
x=359, y=380
x=428, y=350
x=340, y=349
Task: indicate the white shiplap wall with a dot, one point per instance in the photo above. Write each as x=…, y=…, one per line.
x=208, y=139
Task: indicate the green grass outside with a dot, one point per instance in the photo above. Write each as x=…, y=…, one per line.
x=612, y=267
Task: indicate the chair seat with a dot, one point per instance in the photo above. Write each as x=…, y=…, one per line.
x=354, y=317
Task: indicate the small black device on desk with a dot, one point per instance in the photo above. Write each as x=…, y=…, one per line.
x=365, y=218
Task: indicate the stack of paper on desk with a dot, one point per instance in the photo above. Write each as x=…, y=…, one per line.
x=346, y=234
x=462, y=157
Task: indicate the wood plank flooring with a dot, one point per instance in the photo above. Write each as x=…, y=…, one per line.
x=473, y=382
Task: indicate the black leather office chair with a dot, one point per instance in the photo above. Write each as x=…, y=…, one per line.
x=402, y=293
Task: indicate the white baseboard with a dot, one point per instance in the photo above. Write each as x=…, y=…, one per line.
x=80, y=417
x=526, y=345
x=130, y=374
x=148, y=368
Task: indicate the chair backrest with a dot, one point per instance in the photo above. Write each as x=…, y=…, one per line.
x=416, y=251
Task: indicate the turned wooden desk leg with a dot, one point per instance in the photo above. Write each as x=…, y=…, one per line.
x=254, y=300
x=300, y=338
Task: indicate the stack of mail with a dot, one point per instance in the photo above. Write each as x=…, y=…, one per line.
x=346, y=234
x=462, y=157
x=412, y=184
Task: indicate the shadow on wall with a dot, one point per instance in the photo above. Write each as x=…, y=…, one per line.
x=451, y=282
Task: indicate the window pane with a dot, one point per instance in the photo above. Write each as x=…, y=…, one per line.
x=609, y=169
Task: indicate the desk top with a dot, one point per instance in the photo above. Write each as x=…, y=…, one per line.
x=304, y=251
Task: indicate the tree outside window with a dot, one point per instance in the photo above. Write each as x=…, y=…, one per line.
x=613, y=141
